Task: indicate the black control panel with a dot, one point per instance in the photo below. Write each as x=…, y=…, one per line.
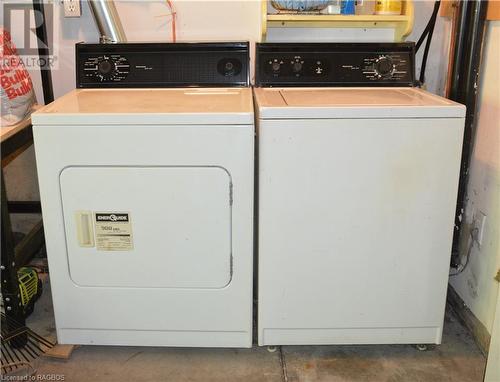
x=335, y=64
x=148, y=65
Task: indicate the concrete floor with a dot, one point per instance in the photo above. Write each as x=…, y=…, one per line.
x=457, y=359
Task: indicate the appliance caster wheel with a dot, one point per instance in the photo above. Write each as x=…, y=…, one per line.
x=272, y=349
x=422, y=347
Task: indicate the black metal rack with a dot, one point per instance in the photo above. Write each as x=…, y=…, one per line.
x=15, y=256
x=16, y=140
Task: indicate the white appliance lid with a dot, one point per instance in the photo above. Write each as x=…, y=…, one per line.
x=206, y=106
x=320, y=103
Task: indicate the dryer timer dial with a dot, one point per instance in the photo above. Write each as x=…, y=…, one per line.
x=384, y=67
x=107, y=68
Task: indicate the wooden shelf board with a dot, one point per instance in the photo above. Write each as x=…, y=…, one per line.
x=402, y=24
x=8, y=131
x=318, y=18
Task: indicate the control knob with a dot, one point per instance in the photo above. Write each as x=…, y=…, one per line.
x=384, y=67
x=229, y=67
x=297, y=65
x=275, y=65
x=106, y=67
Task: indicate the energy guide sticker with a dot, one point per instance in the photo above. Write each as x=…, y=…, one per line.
x=113, y=231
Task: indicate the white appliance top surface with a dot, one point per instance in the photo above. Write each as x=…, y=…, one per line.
x=150, y=106
x=295, y=103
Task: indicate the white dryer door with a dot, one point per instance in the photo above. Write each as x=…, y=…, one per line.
x=161, y=227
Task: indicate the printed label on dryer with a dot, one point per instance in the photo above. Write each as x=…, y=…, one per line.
x=113, y=231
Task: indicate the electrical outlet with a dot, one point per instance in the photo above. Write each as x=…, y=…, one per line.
x=72, y=8
x=479, y=225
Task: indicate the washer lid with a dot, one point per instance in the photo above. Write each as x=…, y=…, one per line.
x=203, y=106
x=320, y=103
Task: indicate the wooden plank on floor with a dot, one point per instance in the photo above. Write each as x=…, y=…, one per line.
x=60, y=351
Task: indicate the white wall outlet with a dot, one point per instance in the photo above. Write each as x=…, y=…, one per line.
x=479, y=225
x=72, y=8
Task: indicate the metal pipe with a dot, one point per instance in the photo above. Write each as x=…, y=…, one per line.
x=464, y=89
x=107, y=21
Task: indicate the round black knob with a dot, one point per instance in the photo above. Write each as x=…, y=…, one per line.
x=106, y=67
x=297, y=67
x=229, y=67
x=384, y=66
x=276, y=66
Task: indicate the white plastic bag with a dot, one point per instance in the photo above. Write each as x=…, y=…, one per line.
x=16, y=89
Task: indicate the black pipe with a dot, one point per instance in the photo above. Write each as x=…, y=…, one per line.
x=464, y=89
x=458, y=52
x=43, y=51
x=432, y=20
x=430, y=32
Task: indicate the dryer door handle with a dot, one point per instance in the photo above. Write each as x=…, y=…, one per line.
x=84, y=229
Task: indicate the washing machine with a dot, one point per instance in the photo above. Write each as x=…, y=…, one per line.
x=358, y=176
x=146, y=175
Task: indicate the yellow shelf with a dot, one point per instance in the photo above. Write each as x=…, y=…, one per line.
x=402, y=24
